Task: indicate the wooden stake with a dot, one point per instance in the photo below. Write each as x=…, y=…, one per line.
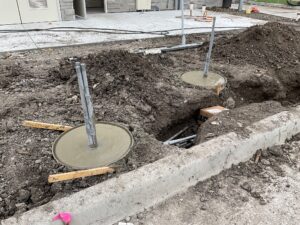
x=257, y=157
x=79, y=174
x=48, y=126
x=219, y=88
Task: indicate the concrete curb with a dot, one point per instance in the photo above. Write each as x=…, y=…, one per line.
x=114, y=199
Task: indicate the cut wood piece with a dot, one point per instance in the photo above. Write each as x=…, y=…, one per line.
x=48, y=126
x=79, y=174
x=219, y=88
x=257, y=157
x=212, y=111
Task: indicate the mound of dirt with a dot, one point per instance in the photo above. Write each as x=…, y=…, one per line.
x=272, y=44
x=274, y=48
x=137, y=85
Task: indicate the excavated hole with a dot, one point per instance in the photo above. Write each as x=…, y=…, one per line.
x=181, y=129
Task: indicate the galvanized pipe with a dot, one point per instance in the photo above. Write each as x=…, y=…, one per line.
x=241, y=5
x=87, y=105
x=183, y=38
x=180, y=140
x=211, y=43
x=177, y=134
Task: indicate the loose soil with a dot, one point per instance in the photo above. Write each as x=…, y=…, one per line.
x=144, y=93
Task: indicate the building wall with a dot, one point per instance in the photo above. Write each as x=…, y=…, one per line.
x=121, y=5
x=164, y=4
x=129, y=5
x=67, y=10
x=209, y=3
x=94, y=3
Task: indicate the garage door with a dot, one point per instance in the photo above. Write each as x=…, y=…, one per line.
x=38, y=10
x=9, y=13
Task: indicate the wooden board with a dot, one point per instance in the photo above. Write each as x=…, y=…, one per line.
x=79, y=174
x=212, y=111
x=48, y=126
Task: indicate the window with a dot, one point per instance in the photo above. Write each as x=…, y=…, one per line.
x=38, y=4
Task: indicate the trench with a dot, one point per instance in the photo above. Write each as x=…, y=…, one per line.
x=143, y=93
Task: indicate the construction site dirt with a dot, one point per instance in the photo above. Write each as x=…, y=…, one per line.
x=143, y=93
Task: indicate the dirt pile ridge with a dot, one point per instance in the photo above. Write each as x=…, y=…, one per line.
x=268, y=57
x=272, y=44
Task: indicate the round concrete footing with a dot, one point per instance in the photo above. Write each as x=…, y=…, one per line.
x=197, y=78
x=71, y=148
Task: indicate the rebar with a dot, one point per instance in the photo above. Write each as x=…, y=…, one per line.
x=183, y=38
x=211, y=43
x=87, y=105
x=241, y=5
x=180, y=140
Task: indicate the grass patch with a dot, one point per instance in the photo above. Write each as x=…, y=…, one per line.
x=273, y=1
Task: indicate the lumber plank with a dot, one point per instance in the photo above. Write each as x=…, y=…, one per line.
x=48, y=126
x=212, y=111
x=79, y=174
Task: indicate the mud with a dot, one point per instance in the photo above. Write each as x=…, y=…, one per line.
x=144, y=93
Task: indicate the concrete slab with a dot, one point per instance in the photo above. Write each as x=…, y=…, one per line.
x=130, y=193
x=149, y=21
x=14, y=41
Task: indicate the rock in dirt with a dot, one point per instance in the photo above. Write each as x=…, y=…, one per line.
x=56, y=187
x=276, y=151
x=9, y=125
x=246, y=186
x=23, y=195
x=36, y=194
x=229, y=103
x=265, y=162
x=38, y=161
x=21, y=207
x=262, y=201
x=255, y=194
x=203, y=208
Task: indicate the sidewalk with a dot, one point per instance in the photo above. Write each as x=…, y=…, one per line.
x=149, y=21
